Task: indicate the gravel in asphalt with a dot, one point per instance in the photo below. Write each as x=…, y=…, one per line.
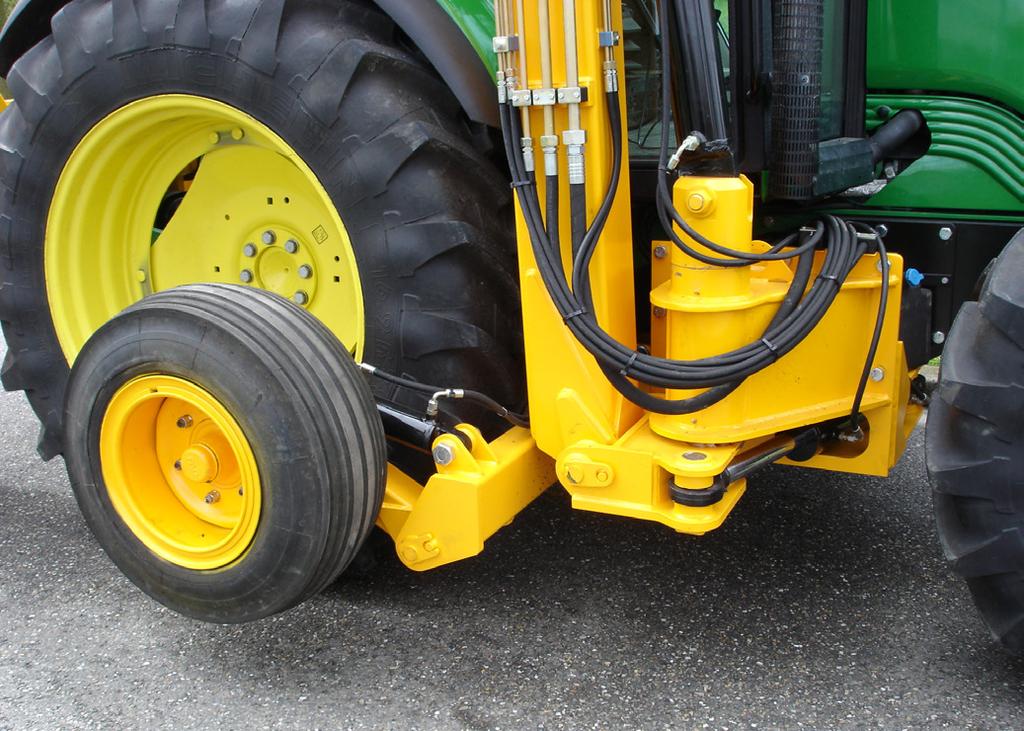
x=822, y=603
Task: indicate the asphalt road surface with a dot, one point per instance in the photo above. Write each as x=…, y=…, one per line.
x=822, y=603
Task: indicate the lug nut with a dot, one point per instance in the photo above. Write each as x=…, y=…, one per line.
x=291, y=246
x=185, y=421
x=211, y=497
x=249, y=250
x=305, y=271
x=443, y=454
x=245, y=276
x=269, y=237
x=300, y=298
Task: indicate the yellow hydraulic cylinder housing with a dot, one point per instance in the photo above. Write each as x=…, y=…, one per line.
x=610, y=454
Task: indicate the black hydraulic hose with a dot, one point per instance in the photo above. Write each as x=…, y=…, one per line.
x=552, y=218
x=456, y=393
x=876, y=336
x=577, y=215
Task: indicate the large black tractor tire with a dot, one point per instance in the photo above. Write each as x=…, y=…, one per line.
x=302, y=408
x=428, y=212
x=975, y=447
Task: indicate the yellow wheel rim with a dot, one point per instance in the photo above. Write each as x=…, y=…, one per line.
x=252, y=212
x=180, y=472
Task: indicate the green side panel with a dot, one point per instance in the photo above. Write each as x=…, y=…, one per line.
x=974, y=162
x=970, y=47
x=959, y=62
x=476, y=18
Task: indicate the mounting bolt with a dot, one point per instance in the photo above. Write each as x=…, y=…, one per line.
x=938, y=337
x=443, y=454
x=140, y=276
x=696, y=202
x=945, y=233
x=291, y=246
x=245, y=276
x=214, y=138
x=882, y=230
x=177, y=465
x=944, y=280
x=211, y=497
x=660, y=252
x=269, y=237
x=659, y=311
x=249, y=250
x=305, y=271
x=300, y=298
x=237, y=134
x=694, y=456
x=877, y=374
x=185, y=421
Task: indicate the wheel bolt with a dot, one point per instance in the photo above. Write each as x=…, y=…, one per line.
x=249, y=250
x=185, y=421
x=291, y=246
x=211, y=497
x=300, y=297
x=245, y=276
x=305, y=271
x=269, y=237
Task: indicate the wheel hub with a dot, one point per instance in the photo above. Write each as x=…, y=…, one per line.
x=239, y=204
x=180, y=472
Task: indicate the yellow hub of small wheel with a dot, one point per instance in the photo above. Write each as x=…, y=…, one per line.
x=180, y=189
x=180, y=472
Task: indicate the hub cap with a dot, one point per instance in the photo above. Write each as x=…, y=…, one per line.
x=180, y=472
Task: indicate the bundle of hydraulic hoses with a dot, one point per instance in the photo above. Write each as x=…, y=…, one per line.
x=800, y=311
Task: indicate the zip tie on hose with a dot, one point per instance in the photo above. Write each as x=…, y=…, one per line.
x=625, y=369
x=772, y=347
x=574, y=314
x=520, y=184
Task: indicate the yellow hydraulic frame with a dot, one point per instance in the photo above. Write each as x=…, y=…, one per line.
x=609, y=454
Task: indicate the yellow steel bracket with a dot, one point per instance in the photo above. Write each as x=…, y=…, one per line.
x=476, y=491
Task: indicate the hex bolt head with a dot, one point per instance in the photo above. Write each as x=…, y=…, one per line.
x=443, y=454
x=660, y=252
x=291, y=246
x=938, y=337
x=249, y=250
x=246, y=276
x=945, y=233
x=305, y=271
x=268, y=237
x=877, y=374
x=177, y=465
x=237, y=134
x=185, y=421
x=211, y=497
x=300, y=298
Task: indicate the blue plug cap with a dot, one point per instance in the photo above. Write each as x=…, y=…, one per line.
x=914, y=277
